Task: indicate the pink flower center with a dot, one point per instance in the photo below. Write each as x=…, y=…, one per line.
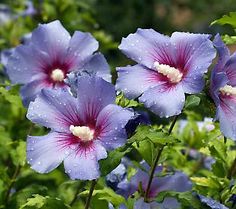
x=83, y=132
x=173, y=74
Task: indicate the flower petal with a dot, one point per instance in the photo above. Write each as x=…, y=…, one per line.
x=94, y=94
x=178, y=182
x=30, y=90
x=141, y=204
x=51, y=38
x=111, y=125
x=134, y=80
x=99, y=66
x=81, y=47
x=230, y=70
x=194, y=54
x=223, y=53
x=226, y=113
x=169, y=203
x=163, y=100
x=147, y=46
x=83, y=164
x=25, y=63
x=55, y=109
x=45, y=153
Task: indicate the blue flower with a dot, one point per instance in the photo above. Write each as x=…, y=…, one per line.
x=83, y=129
x=168, y=67
x=178, y=182
x=223, y=89
x=213, y=204
x=50, y=55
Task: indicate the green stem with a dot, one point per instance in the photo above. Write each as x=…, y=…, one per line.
x=13, y=180
x=225, y=139
x=153, y=172
x=232, y=170
x=156, y=161
x=80, y=185
x=92, y=187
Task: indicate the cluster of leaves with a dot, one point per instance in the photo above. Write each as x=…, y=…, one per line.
x=229, y=19
x=188, y=148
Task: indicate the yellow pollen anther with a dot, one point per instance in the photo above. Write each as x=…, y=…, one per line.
x=83, y=132
x=172, y=73
x=228, y=90
x=57, y=75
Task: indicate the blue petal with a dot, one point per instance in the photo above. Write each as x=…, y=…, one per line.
x=45, y=153
x=98, y=65
x=134, y=80
x=83, y=164
x=213, y=204
x=194, y=54
x=55, y=109
x=163, y=100
x=52, y=38
x=111, y=123
x=94, y=94
x=147, y=46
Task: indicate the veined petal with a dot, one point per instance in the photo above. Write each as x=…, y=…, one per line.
x=194, y=54
x=30, y=90
x=134, y=80
x=83, y=164
x=147, y=46
x=25, y=63
x=164, y=100
x=178, y=182
x=45, y=153
x=226, y=113
x=51, y=38
x=55, y=109
x=141, y=204
x=111, y=123
x=98, y=65
x=94, y=94
x=81, y=47
x=223, y=53
x=230, y=70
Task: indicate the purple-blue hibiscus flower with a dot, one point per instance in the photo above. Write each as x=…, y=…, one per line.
x=168, y=67
x=83, y=129
x=223, y=89
x=50, y=55
x=178, y=182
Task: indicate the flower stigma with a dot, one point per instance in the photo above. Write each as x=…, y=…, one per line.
x=173, y=74
x=228, y=90
x=57, y=75
x=82, y=132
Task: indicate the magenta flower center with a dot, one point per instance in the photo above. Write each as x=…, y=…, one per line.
x=173, y=74
x=57, y=75
x=84, y=133
x=228, y=90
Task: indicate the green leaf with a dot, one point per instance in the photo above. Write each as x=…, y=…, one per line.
x=113, y=160
x=155, y=136
x=206, y=182
x=110, y=196
x=192, y=101
x=227, y=19
x=219, y=169
x=146, y=150
x=19, y=154
x=185, y=198
x=38, y=201
x=124, y=102
x=229, y=39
